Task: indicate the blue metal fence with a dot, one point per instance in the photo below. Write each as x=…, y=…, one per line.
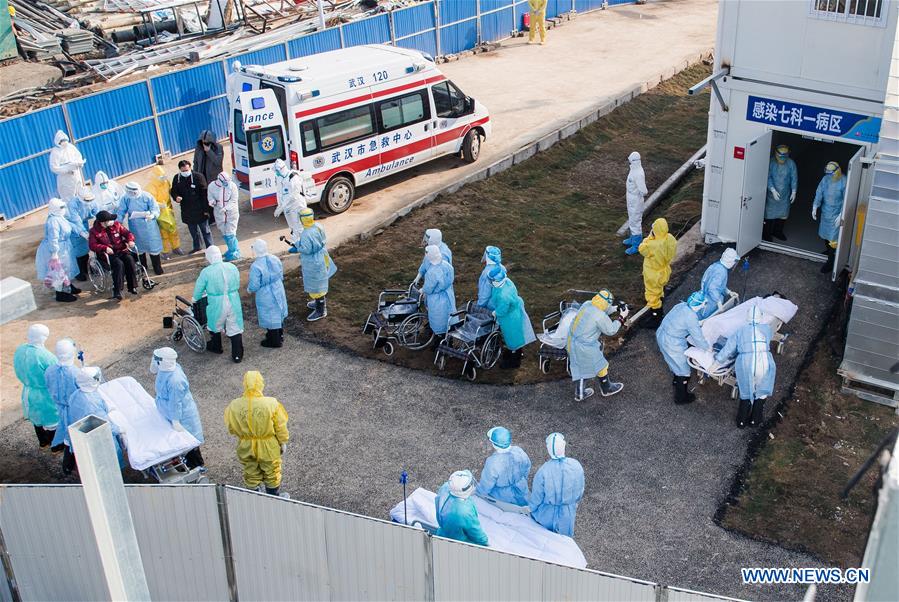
x=124, y=129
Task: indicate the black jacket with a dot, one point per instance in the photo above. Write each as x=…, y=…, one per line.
x=192, y=190
x=208, y=163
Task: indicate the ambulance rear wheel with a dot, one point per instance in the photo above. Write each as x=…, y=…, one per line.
x=471, y=147
x=338, y=195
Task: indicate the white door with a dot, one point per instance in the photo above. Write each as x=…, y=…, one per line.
x=263, y=126
x=755, y=182
x=452, y=113
x=847, y=219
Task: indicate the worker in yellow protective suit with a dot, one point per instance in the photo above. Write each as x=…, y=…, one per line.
x=658, y=250
x=538, y=20
x=160, y=188
x=261, y=425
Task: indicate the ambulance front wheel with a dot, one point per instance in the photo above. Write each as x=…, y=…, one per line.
x=339, y=195
x=471, y=146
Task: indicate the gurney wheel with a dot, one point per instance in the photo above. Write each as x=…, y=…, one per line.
x=440, y=361
x=388, y=348
x=471, y=374
x=544, y=365
x=701, y=378
x=733, y=392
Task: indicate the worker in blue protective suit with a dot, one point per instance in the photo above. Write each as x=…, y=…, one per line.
x=86, y=401
x=55, y=261
x=755, y=368
x=671, y=336
x=505, y=473
x=492, y=257
x=557, y=489
x=267, y=283
x=220, y=283
x=438, y=287
x=513, y=320
x=316, y=264
x=585, y=356
x=829, y=198
x=714, y=283
x=457, y=515
x=783, y=181
x=60, y=380
x=175, y=401
x=142, y=211
x=79, y=210
x=433, y=236
x=30, y=360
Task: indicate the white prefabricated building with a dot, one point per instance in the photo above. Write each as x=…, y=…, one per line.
x=814, y=75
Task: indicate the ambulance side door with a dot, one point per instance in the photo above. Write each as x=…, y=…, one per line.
x=452, y=110
x=847, y=217
x=756, y=156
x=405, y=130
x=266, y=142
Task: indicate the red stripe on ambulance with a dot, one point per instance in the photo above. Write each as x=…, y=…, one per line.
x=370, y=96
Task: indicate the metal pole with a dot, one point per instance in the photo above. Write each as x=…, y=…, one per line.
x=437, y=27
x=107, y=506
x=321, y=15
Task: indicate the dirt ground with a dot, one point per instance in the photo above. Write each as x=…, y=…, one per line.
x=570, y=198
x=791, y=492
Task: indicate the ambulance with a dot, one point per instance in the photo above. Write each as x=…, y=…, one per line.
x=346, y=117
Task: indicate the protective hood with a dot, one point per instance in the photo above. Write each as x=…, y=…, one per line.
x=213, y=255
x=433, y=236
x=492, y=255
x=59, y=137
x=729, y=258
x=158, y=172
x=432, y=253
x=500, y=437
x=206, y=137
x=634, y=158
x=88, y=379
x=281, y=167
x=603, y=300
x=833, y=168
x=497, y=275
x=555, y=445
x=461, y=484
x=307, y=217
x=223, y=179
x=164, y=360
x=253, y=384
x=65, y=352
x=37, y=335
x=696, y=301
x=260, y=247
x=101, y=178
x=660, y=227
x=133, y=189
x=56, y=207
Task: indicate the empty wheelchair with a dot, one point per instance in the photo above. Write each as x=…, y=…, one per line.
x=474, y=338
x=187, y=323
x=388, y=324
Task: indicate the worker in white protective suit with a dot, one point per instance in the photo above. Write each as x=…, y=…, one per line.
x=295, y=188
x=66, y=162
x=636, y=191
x=222, y=195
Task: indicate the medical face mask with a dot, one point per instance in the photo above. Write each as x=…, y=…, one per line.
x=781, y=158
x=154, y=365
x=104, y=186
x=132, y=194
x=107, y=224
x=185, y=172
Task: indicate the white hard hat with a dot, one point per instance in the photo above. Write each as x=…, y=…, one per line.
x=555, y=445
x=462, y=483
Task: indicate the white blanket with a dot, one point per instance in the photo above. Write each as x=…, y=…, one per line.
x=149, y=438
x=506, y=531
x=724, y=325
x=558, y=338
x=706, y=359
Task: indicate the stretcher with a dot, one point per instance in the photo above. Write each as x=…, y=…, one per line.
x=511, y=532
x=716, y=329
x=153, y=446
x=554, y=338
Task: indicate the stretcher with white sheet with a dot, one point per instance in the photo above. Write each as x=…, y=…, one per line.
x=716, y=329
x=153, y=446
x=512, y=532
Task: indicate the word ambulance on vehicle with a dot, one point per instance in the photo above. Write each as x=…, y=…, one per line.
x=346, y=117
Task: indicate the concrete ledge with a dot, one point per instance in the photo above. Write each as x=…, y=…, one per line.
x=16, y=299
x=526, y=152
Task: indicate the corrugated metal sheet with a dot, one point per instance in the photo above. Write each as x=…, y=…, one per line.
x=27, y=185
x=266, y=56
x=188, y=86
x=374, y=30
x=30, y=133
x=497, y=25
x=322, y=41
x=520, y=9
x=459, y=37
x=878, y=263
x=51, y=544
x=490, y=5
x=685, y=595
x=121, y=151
x=492, y=575
x=409, y=21
x=321, y=554
x=100, y=112
x=180, y=540
x=554, y=8
x=454, y=10
x=181, y=128
x=872, y=341
x=583, y=6
x=425, y=42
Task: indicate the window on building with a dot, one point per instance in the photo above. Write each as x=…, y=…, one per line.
x=868, y=12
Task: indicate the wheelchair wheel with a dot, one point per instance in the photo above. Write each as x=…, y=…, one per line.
x=440, y=361
x=544, y=365
x=414, y=332
x=177, y=334
x=388, y=348
x=471, y=373
x=193, y=334
x=491, y=350
x=97, y=276
x=147, y=284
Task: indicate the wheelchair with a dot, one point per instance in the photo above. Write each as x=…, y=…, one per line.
x=101, y=277
x=188, y=321
x=474, y=338
x=399, y=320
